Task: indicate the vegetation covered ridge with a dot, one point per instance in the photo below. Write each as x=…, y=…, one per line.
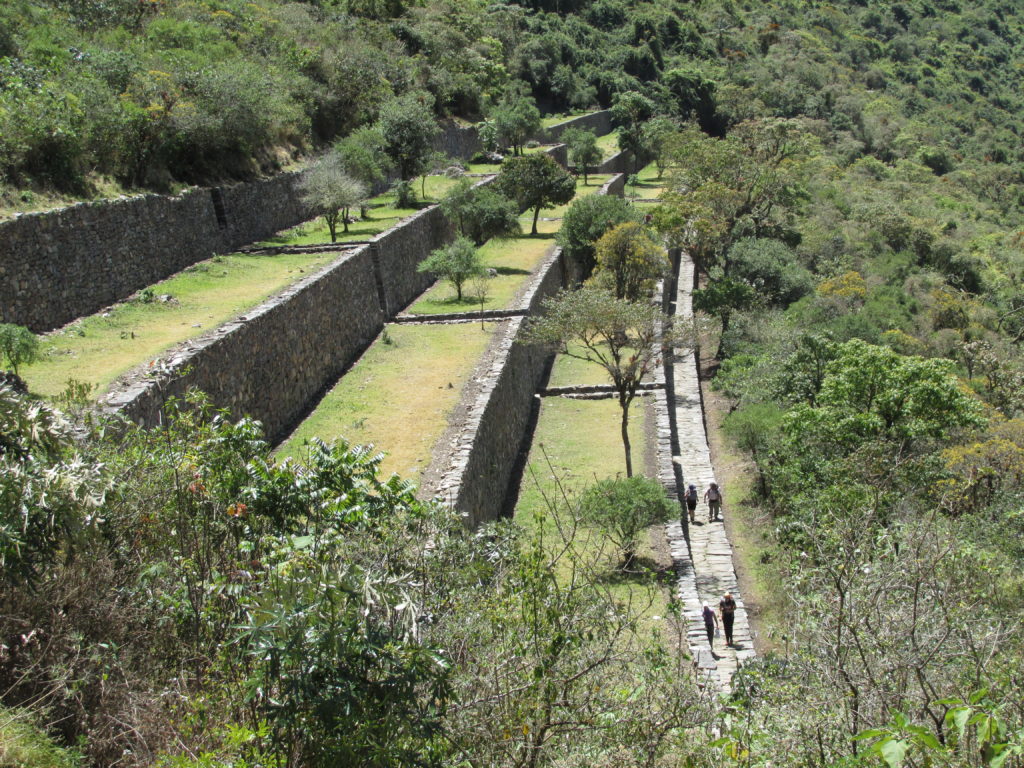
x=847, y=178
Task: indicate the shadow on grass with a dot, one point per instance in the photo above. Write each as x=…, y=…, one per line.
x=511, y=271
x=643, y=570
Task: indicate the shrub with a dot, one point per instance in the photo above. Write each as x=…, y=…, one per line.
x=18, y=345
x=625, y=508
x=456, y=263
x=587, y=219
x=480, y=213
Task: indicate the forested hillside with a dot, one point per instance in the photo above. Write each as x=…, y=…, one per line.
x=849, y=179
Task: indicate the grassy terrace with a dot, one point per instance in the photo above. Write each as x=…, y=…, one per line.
x=513, y=259
x=381, y=215
x=581, y=440
x=608, y=144
x=99, y=348
x=399, y=394
x=547, y=122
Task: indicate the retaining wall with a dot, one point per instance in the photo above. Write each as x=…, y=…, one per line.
x=621, y=162
x=598, y=122
x=64, y=264
x=482, y=454
x=71, y=262
x=398, y=252
x=271, y=362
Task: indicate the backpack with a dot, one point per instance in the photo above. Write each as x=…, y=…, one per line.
x=691, y=494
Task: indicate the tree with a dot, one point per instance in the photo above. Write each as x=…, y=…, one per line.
x=656, y=133
x=18, y=345
x=535, y=181
x=587, y=219
x=583, y=150
x=408, y=128
x=620, y=336
x=362, y=157
x=748, y=184
x=516, y=119
x=720, y=299
x=772, y=270
x=456, y=263
x=624, y=508
x=435, y=162
x=332, y=193
x=629, y=113
x=480, y=213
x=629, y=262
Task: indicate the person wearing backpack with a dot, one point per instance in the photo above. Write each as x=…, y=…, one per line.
x=691, y=502
x=727, y=607
x=713, y=496
x=710, y=624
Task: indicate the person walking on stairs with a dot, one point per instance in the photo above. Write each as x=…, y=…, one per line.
x=727, y=607
x=710, y=624
x=713, y=496
x=691, y=502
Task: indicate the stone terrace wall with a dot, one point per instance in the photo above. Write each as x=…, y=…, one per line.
x=399, y=250
x=64, y=264
x=456, y=140
x=482, y=454
x=60, y=265
x=598, y=122
x=621, y=162
x=272, y=362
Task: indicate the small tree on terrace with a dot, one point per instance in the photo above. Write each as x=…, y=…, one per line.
x=586, y=220
x=583, y=150
x=480, y=213
x=408, y=128
x=331, y=192
x=362, y=158
x=457, y=262
x=515, y=120
x=535, y=181
x=18, y=345
x=624, y=508
x=618, y=335
x=629, y=262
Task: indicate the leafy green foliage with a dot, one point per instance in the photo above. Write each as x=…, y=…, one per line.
x=535, y=181
x=48, y=492
x=516, y=119
x=480, y=213
x=629, y=262
x=623, y=509
x=456, y=263
x=586, y=220
x=18, y=345
x=407, y=127
x=583, y=150
x=622, y=337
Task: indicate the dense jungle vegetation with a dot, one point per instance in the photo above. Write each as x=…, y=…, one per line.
x=848, y=177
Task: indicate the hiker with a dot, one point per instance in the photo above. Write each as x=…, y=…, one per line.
x=710, y=624
x=727, y=607
x=713, y=496
x=691, y=502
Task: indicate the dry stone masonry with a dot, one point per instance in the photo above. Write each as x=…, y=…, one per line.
x=701, y=553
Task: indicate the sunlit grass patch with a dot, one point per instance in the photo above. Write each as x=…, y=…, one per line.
x=576, y=444
x=399, y=395
x=101, y=347
x=381, y=215
x=514, y=259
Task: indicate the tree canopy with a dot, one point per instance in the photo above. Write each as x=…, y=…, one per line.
x=535, y=181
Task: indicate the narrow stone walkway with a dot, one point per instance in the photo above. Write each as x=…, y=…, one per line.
x=705, y=567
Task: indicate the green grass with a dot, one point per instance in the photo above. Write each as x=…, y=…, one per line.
x=514, y=259
x=381, y=215
x=581, y=440
x=547, y=122
x=25, y=745
x=399, y=395
x=608, y=144
x=649, y=185
x=101, y=347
